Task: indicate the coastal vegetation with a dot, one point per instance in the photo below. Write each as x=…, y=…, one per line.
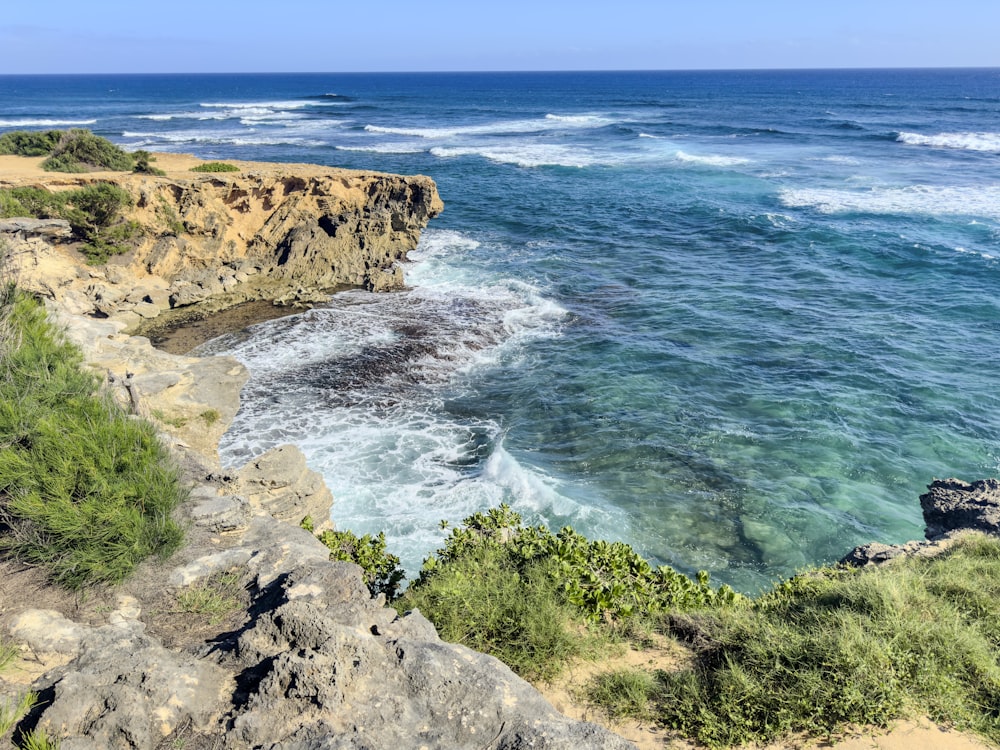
x=825, y=650
x=86, y=492
x=215, y=166
x=74, y=150
x=94, y=213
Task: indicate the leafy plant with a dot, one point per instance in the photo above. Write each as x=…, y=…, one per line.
x=382, y=573
x=144, y=163
x=604, y=580
x=81, y=151
x=29, y=142
x=85, y=491
x=215, y=166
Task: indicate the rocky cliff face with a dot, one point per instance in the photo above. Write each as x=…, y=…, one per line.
x=308, y=660
x=285, y=232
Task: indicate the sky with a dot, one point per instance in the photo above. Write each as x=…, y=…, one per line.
x=222, y=36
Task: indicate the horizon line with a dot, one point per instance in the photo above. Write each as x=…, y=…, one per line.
x=518, y=71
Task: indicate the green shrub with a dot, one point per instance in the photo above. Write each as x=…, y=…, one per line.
x=93, y=212
x=144, y=163
x=215, y=166
x=29, y=142
x=837, y=648
x=484, y=601
x=85, y=490
x=604, y=580
x=382, y=573
x=82, y=151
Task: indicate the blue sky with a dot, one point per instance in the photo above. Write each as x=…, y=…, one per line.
x=111, y=36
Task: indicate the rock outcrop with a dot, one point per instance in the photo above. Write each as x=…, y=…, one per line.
x=952, y=508
x=288, y=232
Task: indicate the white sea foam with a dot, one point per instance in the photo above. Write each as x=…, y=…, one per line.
x=915, y=199
x=235, y=139
x=384, y=148
x=358, y=385
x=549, y=122
x=293, y=104
x=964, y=251
x=44, y=123
x=711, y=160
x=523, y=154
x=989, y=142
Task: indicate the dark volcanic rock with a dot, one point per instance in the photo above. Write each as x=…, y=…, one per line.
x=953, y=504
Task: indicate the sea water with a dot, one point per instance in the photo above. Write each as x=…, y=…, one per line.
x=735, y=319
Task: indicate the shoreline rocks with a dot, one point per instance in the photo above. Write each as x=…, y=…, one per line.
x=309, y=660
x=952, y=509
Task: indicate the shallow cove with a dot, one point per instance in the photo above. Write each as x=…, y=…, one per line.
x=190, y=328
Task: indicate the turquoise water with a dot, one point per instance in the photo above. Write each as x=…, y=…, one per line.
x=738, y=320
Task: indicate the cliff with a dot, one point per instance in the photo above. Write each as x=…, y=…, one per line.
x=306, y=659
x=287, y=232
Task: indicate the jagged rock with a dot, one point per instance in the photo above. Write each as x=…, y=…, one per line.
x=123, y=689
x=264, y=234
x=280, y=483
x=326, y=669
x=221, y=514
x=952, y=508
x=953, y=504
x=53, y=228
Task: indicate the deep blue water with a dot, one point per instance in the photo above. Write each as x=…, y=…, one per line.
x=737, y=319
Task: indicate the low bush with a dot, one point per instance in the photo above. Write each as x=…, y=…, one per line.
x=81, y=151
x=215, y=166
x=94, y=213
x=382, y=573
x=29, y=142
x=85, y=490
x=144, y=163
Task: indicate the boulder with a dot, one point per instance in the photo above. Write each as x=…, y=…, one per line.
x=951, y=504
x=279, y=483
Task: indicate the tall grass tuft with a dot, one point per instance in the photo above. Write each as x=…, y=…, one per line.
x=85, y=491
x=836, y=648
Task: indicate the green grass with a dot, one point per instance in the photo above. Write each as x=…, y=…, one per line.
x=38, y=739
x=837, y=648
x=215, y=166
x=8, y=652
x=13, y=712
x=215, y=599
x=94, y=213
x=85, y=490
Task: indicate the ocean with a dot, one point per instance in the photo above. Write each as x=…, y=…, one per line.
x=736, y=319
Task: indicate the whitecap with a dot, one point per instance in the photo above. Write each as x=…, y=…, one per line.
x=296, y=104
x=914, y=199
x=549, y=122
x=711, y=160
x=29, y=123
x=384, y=148
x=523, y=155
x=989, y=142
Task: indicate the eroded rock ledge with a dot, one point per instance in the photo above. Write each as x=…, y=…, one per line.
x=288, y=232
